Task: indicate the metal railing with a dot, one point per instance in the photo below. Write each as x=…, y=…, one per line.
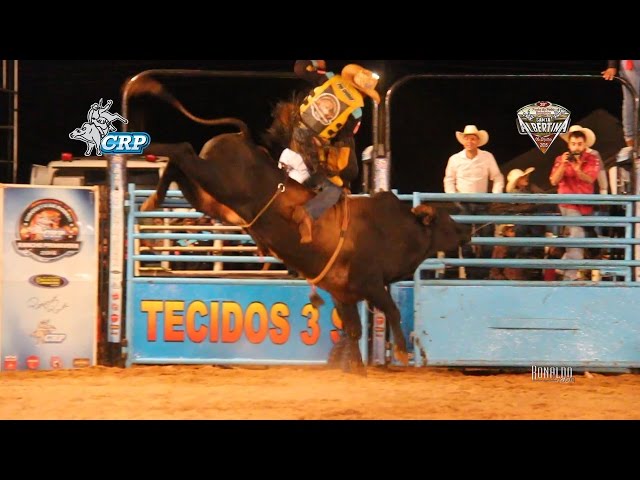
x=621, y=267
x=214, y=254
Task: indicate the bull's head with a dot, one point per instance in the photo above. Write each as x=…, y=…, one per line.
x=447, y=235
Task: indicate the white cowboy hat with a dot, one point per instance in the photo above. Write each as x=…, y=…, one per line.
x=482, y=135
x=515, y=175
x=591, y=137
x=500, y=229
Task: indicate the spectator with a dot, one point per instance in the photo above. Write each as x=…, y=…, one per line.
x=603, y=182
x=194, y=243
x=630, y=71
x=502, y=251
x=518, y=182
x=574, y=172
x=469, y=171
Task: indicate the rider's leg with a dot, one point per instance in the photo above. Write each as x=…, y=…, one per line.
x=314, y=208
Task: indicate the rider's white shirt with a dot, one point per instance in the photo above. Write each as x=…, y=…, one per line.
x=294, y=165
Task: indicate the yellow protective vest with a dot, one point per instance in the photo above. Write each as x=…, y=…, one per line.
x=327, y=108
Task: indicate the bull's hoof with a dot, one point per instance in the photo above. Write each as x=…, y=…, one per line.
x=335, y=355
x=352, y=359
x=401, y=356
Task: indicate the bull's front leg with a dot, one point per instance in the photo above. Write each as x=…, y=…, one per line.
x=346, y=353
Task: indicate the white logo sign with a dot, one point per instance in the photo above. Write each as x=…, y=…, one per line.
x=543, y=121
x=98, y=125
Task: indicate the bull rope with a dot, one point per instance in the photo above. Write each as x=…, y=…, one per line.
x=343, y=231
x=279, y=189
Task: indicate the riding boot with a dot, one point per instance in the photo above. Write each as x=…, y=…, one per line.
x=305, y=224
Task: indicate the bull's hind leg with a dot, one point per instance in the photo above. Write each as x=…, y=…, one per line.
x=346, y=353
x=381, y=298
x=178, y=154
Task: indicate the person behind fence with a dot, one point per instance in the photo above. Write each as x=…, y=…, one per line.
x=503, y=251
x=518, y=181
x=603, y=181
x=575, y=172
x=324, y=137
x=195, y=243
x=630, y=71
x=469, y=171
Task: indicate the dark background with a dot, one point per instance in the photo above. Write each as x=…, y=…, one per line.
x=56, y=94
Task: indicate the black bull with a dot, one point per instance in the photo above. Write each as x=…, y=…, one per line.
x=385, y=239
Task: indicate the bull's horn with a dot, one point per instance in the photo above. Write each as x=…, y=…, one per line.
x=424, y=212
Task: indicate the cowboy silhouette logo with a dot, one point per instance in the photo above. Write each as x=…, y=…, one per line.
x=98, y=125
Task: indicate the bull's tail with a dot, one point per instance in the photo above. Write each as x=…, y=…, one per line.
x=147, y=85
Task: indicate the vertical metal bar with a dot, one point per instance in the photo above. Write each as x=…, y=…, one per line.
x=628, y=233
x=117, y=184
x=15, y=122
x=129, y=277
x=364, y=339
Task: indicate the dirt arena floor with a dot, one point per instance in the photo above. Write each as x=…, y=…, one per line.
x=210, y=392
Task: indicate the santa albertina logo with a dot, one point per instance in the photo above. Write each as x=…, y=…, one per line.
x=543, y=121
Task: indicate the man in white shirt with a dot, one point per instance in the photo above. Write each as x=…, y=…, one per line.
x=469, y=171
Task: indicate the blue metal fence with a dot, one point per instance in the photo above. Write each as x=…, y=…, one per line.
x=588, y=324
x=448, y=321
x=176, y=318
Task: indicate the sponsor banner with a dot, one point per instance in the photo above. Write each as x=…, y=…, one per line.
x=49, y=276
x=243, y=323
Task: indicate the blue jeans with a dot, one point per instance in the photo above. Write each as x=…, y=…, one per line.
x=324, y=199
x=628, y=111
x=573, y=253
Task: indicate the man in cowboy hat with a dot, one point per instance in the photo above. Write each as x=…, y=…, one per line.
x=603, y=182
x=518, y=182
x=575, y=172
x=469, y=171
x=324, y=137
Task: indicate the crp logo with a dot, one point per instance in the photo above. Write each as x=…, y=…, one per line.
x=99, y=133
x=125, y=142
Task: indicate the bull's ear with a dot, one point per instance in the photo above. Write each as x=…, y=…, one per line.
x=426, y=213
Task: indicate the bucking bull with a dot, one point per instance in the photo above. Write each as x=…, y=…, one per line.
x=359, y=247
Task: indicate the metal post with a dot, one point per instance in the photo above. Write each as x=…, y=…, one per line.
x=15, y=121
x=115, y=312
